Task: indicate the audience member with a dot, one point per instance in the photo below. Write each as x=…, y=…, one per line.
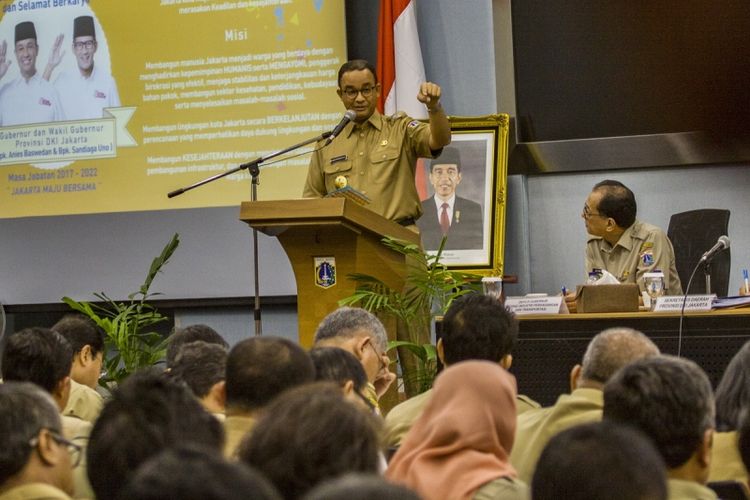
x=743, y=442
x=732, y=400
x=362, y=334
x=459, y=447
x=475, y=327
x=44, y=357
x=607, y=352
x=599, y=461
x=310, y=434
x=202, y=367
x=670, y=400
x=35, y=459
x=360, y=486
x=147, y=414
x=258, y=370
x=193, y=473
x=87, y=341
x=188, y=334
x=337, y=365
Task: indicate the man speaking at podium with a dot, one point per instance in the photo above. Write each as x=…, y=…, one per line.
x=378, y=154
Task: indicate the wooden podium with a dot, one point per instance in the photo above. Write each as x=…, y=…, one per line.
x=336, y=231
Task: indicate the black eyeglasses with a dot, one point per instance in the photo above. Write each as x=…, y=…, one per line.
x=89, y=44
x=74, y=450
x=351, y=93
x=381, y=364
x=587, y=213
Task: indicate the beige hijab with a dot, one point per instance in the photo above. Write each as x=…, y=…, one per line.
x=463, y=438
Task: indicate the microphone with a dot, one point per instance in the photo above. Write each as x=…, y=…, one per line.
x=348, y=116
x=720, y=245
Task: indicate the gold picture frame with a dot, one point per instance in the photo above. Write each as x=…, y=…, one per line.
x=480, y=146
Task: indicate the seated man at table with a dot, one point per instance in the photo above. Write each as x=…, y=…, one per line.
x=622, y=245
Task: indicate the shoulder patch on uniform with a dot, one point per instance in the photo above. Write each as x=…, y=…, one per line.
x=414, y=123
x=647, y=258
x=646, y=245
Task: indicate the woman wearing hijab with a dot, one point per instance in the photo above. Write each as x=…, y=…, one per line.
x=459, y=446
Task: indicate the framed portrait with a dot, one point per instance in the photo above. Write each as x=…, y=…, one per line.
x=463, y=194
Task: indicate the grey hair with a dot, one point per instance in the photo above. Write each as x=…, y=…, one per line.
x=349, y=322
x=612, y=349
x=25, y=409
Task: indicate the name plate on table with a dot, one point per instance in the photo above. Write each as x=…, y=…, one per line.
x=673, y=303
x=536, y=305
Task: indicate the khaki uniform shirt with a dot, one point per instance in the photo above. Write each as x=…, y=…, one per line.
x=677, y=489
x=236, y=428
x=34, y=491
x=84, y=402
x=535, y=428
x=77, y=430
x=505, y=488
x=379, y=159
x=401, y=418
x=642, y=248
x=726, y=463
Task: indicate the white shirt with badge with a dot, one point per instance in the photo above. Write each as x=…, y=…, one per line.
x=83, y=97
x=32, y=101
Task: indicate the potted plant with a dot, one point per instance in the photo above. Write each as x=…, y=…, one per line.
x=429, y=289
x=129, y=342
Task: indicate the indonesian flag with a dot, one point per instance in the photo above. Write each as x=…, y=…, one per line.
x=401, y=69
x=400, y=64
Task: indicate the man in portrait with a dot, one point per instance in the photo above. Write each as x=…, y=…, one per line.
x=446, y=213
x=86, y=90
x=29, y=98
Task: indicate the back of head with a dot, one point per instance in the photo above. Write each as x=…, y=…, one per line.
x=309, y=434
x=37, y=355
x=81, y=331
x=200, y=365
x=349, y=322
x=733, y=391
x=188, y=334
x=261, y=368
x=193, y=473
x=669, y=399
x=361, y=487
x=147, y=414
x=25, y=409
x=337, y=365
x=478, y=327
x=599, y=461
x=617, y=201
x=612, y=349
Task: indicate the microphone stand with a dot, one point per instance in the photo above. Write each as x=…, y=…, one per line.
x=707, y=272
x=253, y=167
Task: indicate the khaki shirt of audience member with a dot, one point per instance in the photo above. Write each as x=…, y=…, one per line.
x=627, y=252
x=34, y=491
x=678, y=489
x=726, y=462
x=236, y=427
x=84, y=402
x=378, y=154
x=77, y=431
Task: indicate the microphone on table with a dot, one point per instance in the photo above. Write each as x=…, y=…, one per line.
x=348, y=116
x=721, y=244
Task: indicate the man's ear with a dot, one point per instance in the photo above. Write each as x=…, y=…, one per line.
x=360, y=345
x=506, y=361
x=219, y=393
x=441, y=351
x=704, y=451
x=85, y=355
x=575, y=377
x=348, y=387
x=46, y=448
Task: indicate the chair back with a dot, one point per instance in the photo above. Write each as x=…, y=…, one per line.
x=692, y=234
